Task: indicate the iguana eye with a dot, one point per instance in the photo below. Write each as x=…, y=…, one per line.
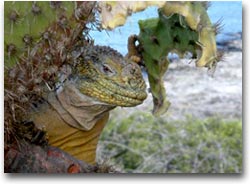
x=107, y=70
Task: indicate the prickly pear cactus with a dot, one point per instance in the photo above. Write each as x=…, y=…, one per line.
x=25, y=24
x=40, y=38
x=28, y=24
x=181, y=27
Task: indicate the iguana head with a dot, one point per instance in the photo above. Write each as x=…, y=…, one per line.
x=105, y=75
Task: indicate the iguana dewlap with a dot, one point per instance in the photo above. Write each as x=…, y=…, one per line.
x=80, y=144
x=74, y=129
x=75, y=114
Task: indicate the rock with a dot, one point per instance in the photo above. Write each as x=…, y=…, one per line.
x=232, y=44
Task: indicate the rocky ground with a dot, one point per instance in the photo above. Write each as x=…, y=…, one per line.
x=193, y=91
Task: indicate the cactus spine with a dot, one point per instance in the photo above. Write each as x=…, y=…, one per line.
x=39, y=39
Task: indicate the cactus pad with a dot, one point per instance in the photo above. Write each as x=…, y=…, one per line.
x=181, y=27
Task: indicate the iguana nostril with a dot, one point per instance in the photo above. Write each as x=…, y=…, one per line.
x=131, y=70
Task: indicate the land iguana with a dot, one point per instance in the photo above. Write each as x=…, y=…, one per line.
x=75, y=113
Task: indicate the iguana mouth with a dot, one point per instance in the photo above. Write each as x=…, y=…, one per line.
x=113, y=94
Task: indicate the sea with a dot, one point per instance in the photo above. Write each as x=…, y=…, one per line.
x=228, y=12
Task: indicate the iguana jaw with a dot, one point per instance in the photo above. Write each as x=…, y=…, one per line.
x=111, y=93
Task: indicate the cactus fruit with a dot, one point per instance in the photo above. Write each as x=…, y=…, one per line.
x=181, y=27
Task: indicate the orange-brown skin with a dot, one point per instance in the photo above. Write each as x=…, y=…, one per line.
x=79, y=143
